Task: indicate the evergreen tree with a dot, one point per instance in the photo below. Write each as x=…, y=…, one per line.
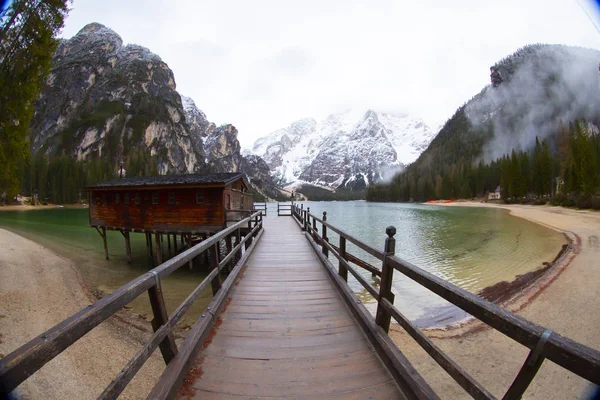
x=27, y=44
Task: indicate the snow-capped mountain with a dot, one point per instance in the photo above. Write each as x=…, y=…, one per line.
x=349, y=149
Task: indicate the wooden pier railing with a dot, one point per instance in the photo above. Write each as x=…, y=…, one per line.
x=284, y=209
x=543, y=343
x=261, y=207
x=26, y=360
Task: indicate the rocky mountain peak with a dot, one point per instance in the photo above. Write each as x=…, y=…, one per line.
x=351, y=149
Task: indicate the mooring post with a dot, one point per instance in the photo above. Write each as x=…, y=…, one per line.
x=383, y=318
x=342, y=271
x=127, y=246
x=324, y=235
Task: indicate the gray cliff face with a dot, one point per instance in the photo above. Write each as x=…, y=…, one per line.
x=104, y=99
x=259, y=176
x=222, y=149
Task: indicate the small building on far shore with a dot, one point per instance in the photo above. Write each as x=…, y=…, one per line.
x=184, y=205
x=495, y=195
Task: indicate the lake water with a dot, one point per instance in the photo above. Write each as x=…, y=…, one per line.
x=470, y=247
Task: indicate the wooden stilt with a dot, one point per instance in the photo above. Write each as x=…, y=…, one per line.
x=169, y=244
x=189, y=245
x=158, y=252
x=204, y=237
x=175, y=244
x=127, y=245
x=103, y=234
x=150, y=247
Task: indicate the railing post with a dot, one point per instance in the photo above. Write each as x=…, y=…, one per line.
x=214, y=263
x=249, y=241
x=302, y=218
x=168, y=348
x=238, y=239
x=315, y=230
x=324, y=235
x=383, y=318
x=306, y=220
x=342, y=271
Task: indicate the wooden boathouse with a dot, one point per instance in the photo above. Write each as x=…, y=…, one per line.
x=177, y=206
x=284, y=323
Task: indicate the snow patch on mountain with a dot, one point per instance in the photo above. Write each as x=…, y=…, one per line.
x=350, y=149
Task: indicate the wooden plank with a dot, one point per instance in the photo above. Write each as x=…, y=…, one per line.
x=409, y=380
x=172, y=378
x=285, y=326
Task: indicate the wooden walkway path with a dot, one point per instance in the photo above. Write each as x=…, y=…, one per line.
x=287, y=333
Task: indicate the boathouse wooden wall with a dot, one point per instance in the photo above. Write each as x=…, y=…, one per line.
x=164, y=210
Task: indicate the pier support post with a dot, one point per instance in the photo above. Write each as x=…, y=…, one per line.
x=383, y=318
x=158, y=252
x=103, y=234
x=127, y=245
x=169, y=244
x=191, y=263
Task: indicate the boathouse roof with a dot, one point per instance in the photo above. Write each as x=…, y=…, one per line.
x=223, y=178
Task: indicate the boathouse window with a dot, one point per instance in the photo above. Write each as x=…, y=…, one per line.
x=117, y=198
x=199, y=197
x=138, y=198
x=154, y=197
x=171, y=198
x=126, y=198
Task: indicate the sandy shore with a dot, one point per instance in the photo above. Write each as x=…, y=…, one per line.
x=39, y=289
x=566, y=300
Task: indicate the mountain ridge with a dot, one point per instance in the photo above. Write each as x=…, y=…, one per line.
x=348, y=150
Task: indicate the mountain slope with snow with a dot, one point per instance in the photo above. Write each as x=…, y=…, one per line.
x=347, y=150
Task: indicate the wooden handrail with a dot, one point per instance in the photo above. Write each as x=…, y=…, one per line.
x=27, y=359
x=573, y=356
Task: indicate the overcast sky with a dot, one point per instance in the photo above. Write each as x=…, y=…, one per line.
x=263, y=64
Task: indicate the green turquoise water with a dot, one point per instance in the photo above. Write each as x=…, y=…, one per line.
x=66, y=231
x=470, y=247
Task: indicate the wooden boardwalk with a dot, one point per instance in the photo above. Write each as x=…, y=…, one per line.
x=287, y=333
